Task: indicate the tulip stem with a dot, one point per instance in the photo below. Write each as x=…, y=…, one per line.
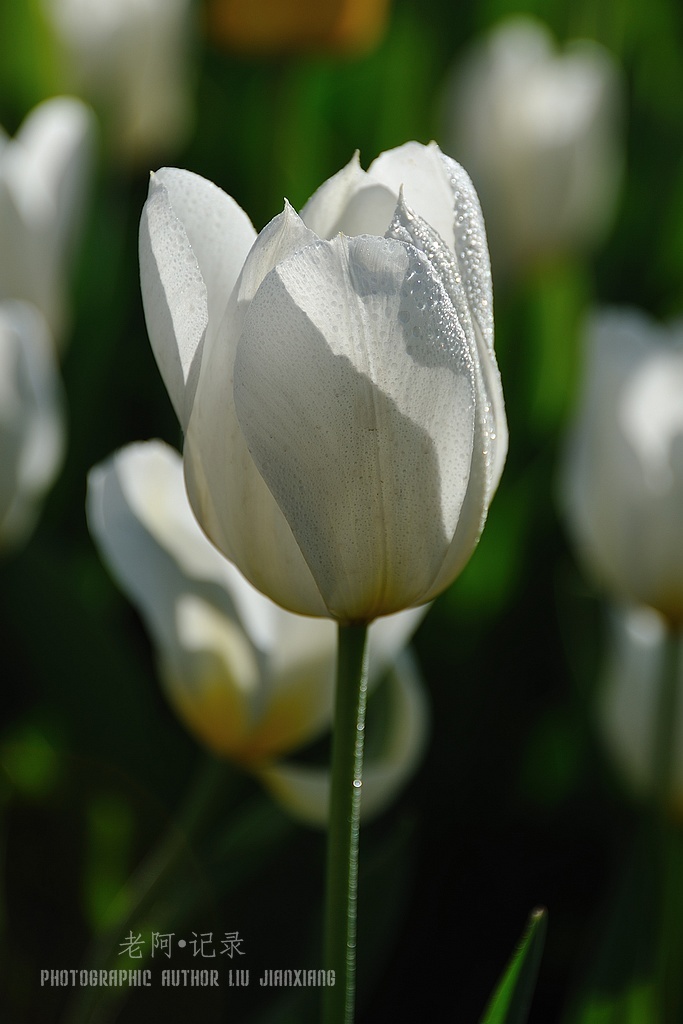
x=344, y=824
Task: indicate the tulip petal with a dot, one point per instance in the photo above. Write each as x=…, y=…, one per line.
x=140, y=516
x=299, y=688
x=470, y=246
x=43, y=173
x=388, y=636
x=354, y=390
x=243, y=674
x=304, y=790
x=282, y=236
x=218, y=229
x=301, y=676
x=227, y=493
x=31, y=418
x=490, y=438
x=442, y=191
x=420, y=172
x=630, y=693
x=57, y=138
x=630, y=698
x=199, y=609
x=623, y=477
x=350, y=202
x=121, y=519
x=193, y=241
x=212, y=679
x=472, y=255
x=174, y=298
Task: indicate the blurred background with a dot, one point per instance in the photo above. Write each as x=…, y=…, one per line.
x=519, y=801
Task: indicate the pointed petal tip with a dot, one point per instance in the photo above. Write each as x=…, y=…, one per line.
x=289, y=212
x=354, y=165
x=156, y=182
x=290, y=220
x=403, y=214
x=402, y=205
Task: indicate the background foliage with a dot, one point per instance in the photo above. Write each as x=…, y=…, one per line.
x=516, y=804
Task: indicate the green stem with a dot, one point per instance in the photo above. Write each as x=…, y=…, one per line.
x=344, y=825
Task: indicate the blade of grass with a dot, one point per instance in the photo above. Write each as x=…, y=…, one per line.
x=511, y=1001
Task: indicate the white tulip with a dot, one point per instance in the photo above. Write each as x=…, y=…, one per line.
x=540, y=132
x=344, y=420
x=130, y=59
x=630, y=696
x=31, y=419
x=250, y=680
x=44, y=172
x=623, y=484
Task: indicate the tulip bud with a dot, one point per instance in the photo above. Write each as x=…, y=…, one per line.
x=130, y=59
x=540, y=133
x=43, y=182
x=631, y=695
x=31, y=419
x=251, y=681
x=623, y=481
x=335, y=378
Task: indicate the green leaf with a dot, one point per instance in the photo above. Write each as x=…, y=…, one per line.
x=512, y=998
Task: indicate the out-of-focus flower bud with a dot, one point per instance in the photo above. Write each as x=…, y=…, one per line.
x=44, y=173
x=251, y=681
x=540, y=133
x=631, y=695
x=130, y=59
x=623, y=482
x=31, y=419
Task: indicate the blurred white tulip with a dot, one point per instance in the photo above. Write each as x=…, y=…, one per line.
x=630, y=699
x=31, y=419
x=44, y=174
x=623, y=482
x=130, y=59
x=540, y=132
x=250, y=680
x=344, y=419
